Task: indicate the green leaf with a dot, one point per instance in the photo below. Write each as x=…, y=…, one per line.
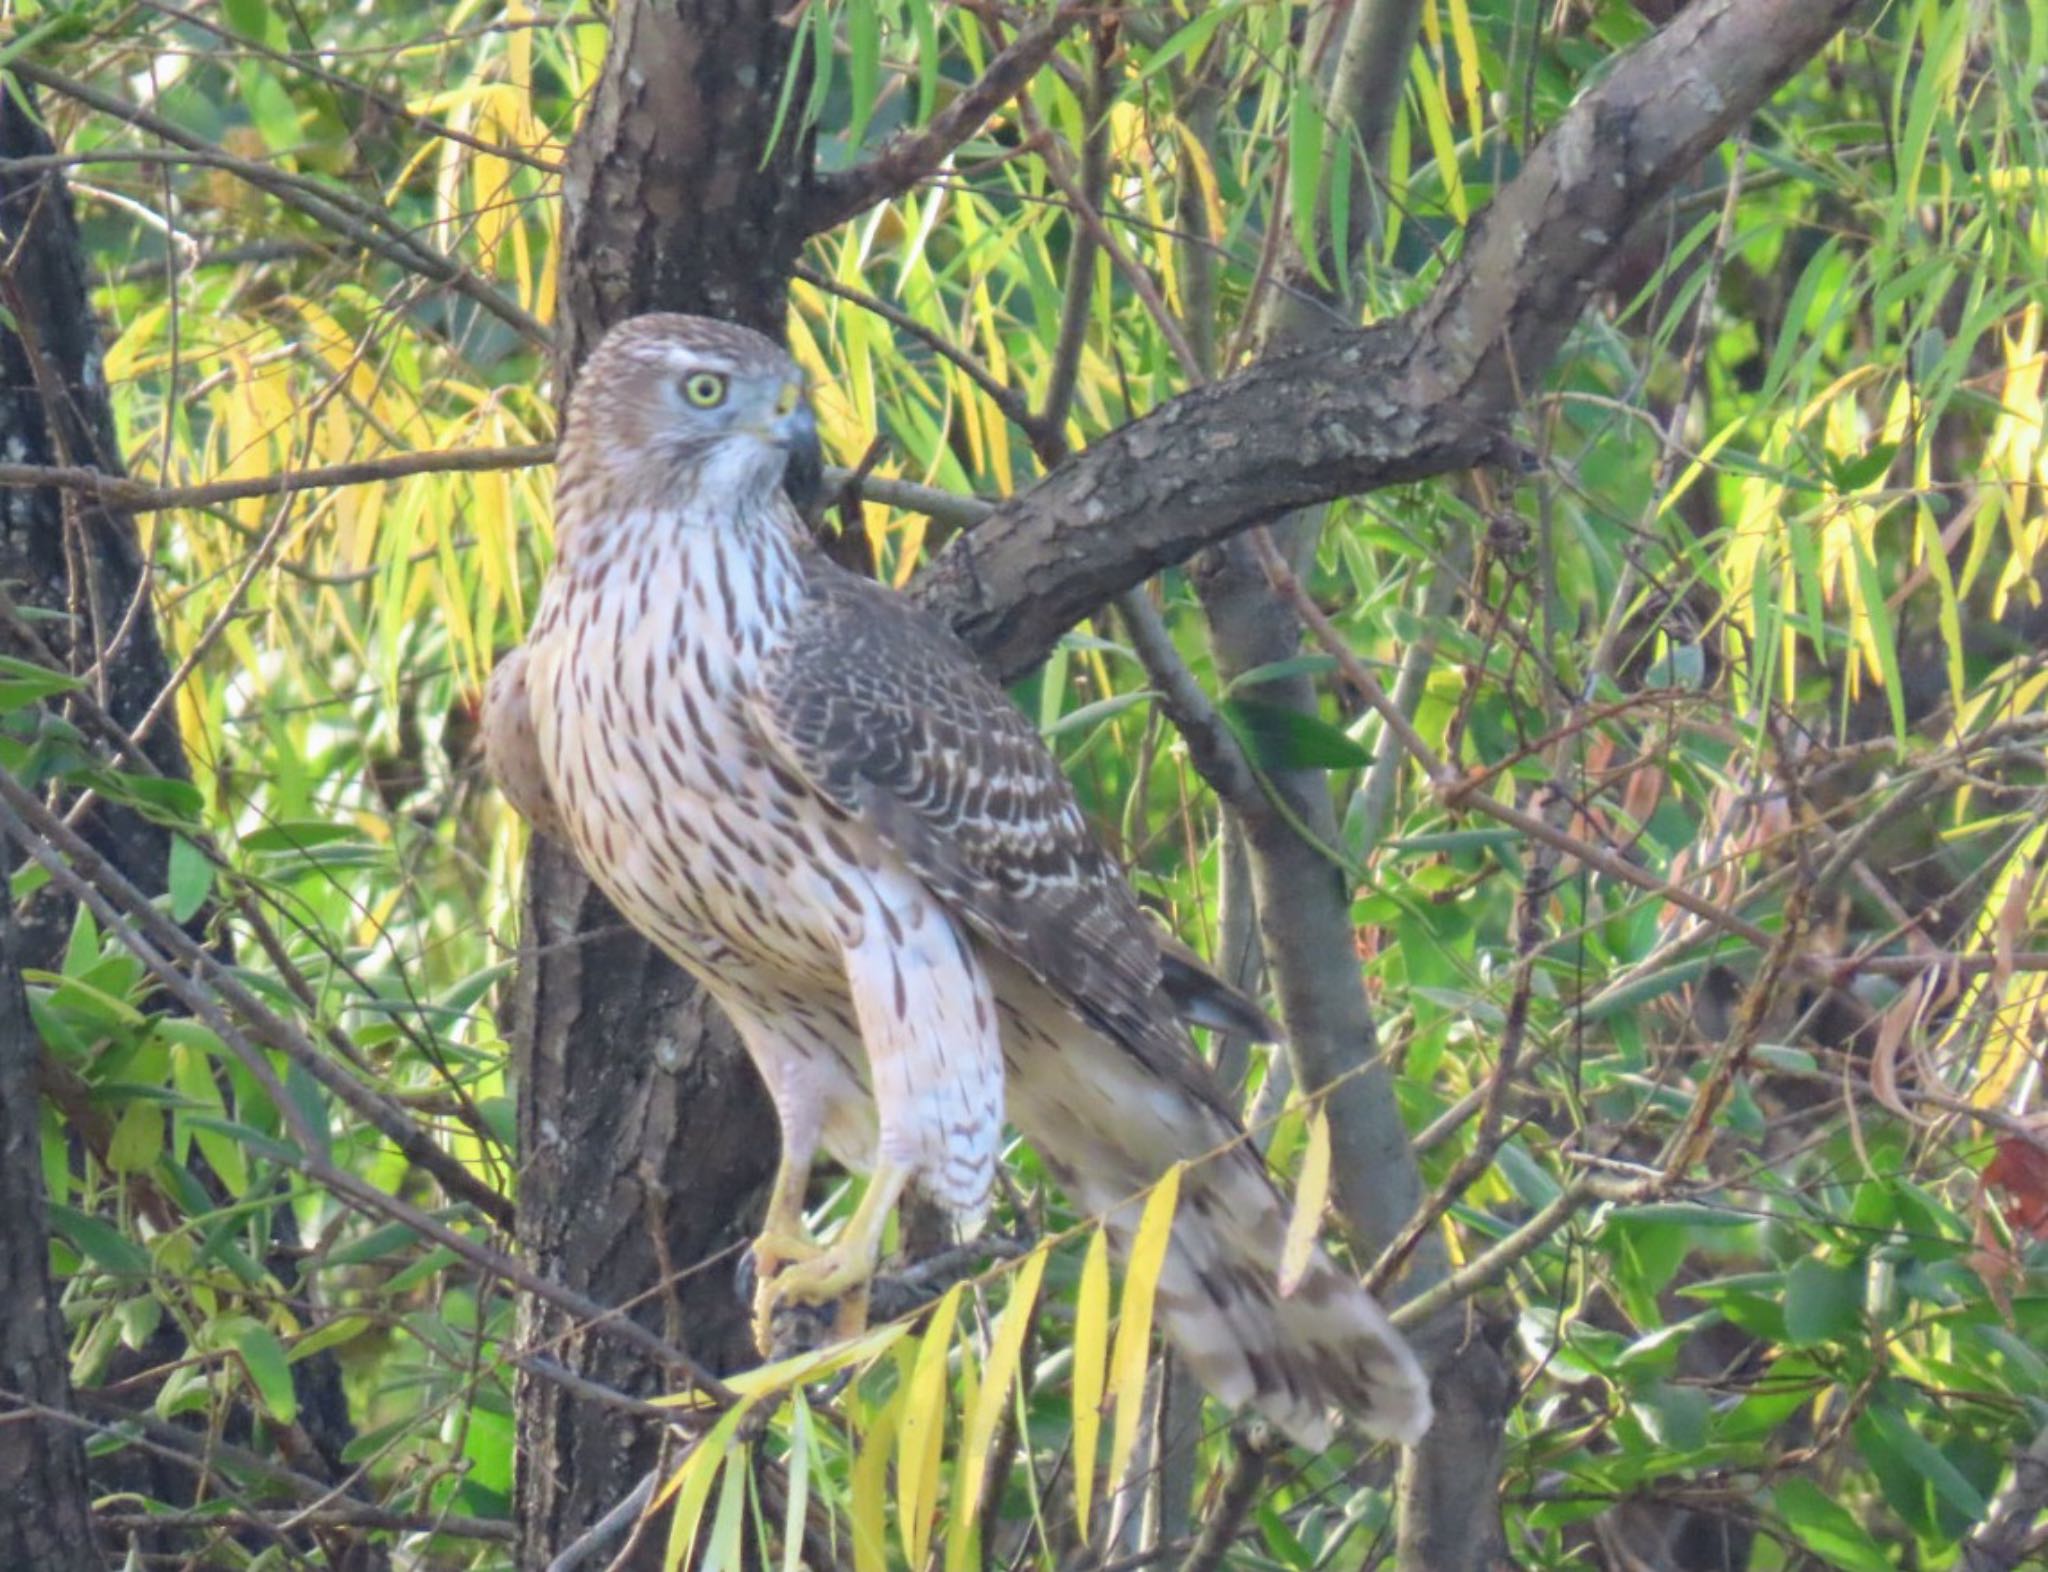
x=1188, y=40
x=139, y=1318
x=138, y=1139
x=1279, y=670
x=1456, y=841
x=379, y=1242
x=1674, y=1416
x=190, y=879
x=161, y=797
x=1822, y=1303
x=192, y=1073
x=1099, y=710
x=255, y=1140
x=1854, y=474
x=1885, y=1429
x=342, y=1329
x=299, y=835
x=263, y=1356
x=1280, y=738
x=250, y=18
x=1828, y=1529
x=99, y=1243
x=487, y=1443
x=864, y=64
x=1305, y=144
x=269, y=106
x=23, y=683
x=1882, y=634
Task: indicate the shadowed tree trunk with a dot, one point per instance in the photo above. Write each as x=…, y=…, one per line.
x=63, y=557
x=647, y=1141
x=74, y=580
x=45, y=1516
x=78, y=594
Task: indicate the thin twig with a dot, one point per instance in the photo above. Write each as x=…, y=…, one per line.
x=341, y=212
x=1240, y=1493
x=135, y=496
x=125, y=912
x=910, y=156
x=386, y=103
x=1492, y=1131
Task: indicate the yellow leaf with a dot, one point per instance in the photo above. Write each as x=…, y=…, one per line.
x=1004, y=1355
x=797, y=1495
x=690, y=1487
x=1468, y=66
x=801, y=1369
x=921, y=1430
x=1134, y=1324
x=724, y=1554
x=1310, y=1194
x=869, y=1488
x=1091, y=1352
x=519, y=48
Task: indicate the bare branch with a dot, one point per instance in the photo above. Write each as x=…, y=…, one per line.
x=910, y=156
x=342, y=212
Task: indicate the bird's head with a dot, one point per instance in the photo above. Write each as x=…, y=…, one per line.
x=669, y=403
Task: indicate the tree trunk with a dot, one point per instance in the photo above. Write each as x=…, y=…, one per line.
x=80, y=566
x=647, y=1142
x=45, y=1512
x=60, y=553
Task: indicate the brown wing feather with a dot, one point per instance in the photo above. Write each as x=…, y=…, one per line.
x=887, y=715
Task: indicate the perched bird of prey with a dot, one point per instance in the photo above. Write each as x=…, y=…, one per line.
x=805, y=790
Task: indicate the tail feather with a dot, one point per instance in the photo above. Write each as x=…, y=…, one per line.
x=1108, y=1126
x=1201, y=998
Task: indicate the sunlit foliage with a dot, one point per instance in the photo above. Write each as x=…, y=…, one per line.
x=1763, y=621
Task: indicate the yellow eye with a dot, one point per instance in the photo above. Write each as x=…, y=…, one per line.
x=705, y=389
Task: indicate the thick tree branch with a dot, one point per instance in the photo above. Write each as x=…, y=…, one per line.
x=1413, y=398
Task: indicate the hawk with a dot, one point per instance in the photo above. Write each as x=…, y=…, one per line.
x=804, y=789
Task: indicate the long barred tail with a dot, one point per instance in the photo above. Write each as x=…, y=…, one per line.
x=1326, y=1347
x=1108, y=1125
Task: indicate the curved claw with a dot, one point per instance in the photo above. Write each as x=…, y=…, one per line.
x=770, y=1254
x=812, y=1303
x=834, y=1279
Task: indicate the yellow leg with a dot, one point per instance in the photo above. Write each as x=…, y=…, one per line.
x=784, y=1236
x=840, y=1272
x=784, y=1239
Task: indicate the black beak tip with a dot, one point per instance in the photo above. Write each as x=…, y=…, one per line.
x=803, y=474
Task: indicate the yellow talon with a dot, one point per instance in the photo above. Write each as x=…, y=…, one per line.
x=836, y=1276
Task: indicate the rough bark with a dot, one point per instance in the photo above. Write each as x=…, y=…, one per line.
x=45, y=1511
x=60, y=552
x=646, y=1140
x=1421, y=396
x=79, y=564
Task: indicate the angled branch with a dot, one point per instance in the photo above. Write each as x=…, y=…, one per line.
x=909, y=156
x=1417, y=397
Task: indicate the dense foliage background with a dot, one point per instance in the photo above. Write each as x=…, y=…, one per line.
x=1697, y=893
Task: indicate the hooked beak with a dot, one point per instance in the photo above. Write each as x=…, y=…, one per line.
x=795, y=431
